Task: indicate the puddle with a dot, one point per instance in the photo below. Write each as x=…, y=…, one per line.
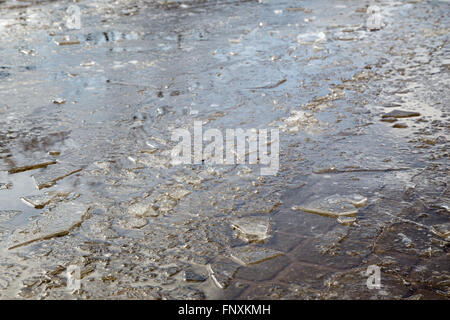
x=86, y=120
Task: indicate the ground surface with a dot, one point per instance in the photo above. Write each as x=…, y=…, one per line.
x=86, y=117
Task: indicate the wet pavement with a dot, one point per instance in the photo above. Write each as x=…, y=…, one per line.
x=87, y=115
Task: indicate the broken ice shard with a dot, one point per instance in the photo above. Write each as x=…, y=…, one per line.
x=250, y=254
x=56, y=222
x=42, y=200
x=252, y=229
x=334, y=206
x=222, y=271
x=48, y=177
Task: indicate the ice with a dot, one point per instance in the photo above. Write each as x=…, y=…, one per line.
x=32, y=166
x=357, y=200
x=415, y=297
x=222, y=271
x=311, y=38
x=133, y=222
x=59, y=101
x=252, y=229
x=346, y=220
x=406, y=241
x=335, y=206
x=400, y=125
x=143, y=209
x=250, y=254
x=56, y=222
x=301, y=120
x=42, y=200
x=400, y=114
x=5, y=185
x=179, y=192
x=87, y=63
x=389, y=119
x=66, y=42
x=442, y=230
x=6, y=215
x=153, y=160
x=155, y=226
x=165, y=204
x=190, y=275
x=49, y=177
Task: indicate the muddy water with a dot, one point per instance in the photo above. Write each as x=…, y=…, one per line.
x=87, y=115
